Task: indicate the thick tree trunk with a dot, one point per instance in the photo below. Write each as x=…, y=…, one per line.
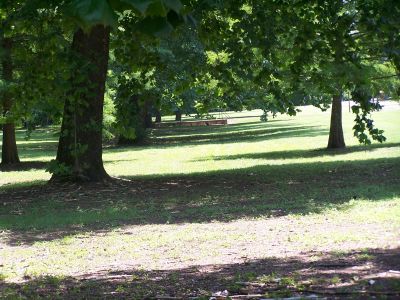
x=80, y=145
x=9, y=152
x=178, y=116
x=336, y=138
x=158, y=116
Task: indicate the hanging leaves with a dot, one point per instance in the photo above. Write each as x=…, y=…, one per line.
x=159, y=16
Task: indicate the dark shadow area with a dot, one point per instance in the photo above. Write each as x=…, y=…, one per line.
x=191, y=136
x=248, y=116
x=24, y=166
x=305, y=153
x=185, y=136
x=38, y=145
x=207, y=130
x=241, y=136
x=347, y=276
x=172, y=124
x=52, y=211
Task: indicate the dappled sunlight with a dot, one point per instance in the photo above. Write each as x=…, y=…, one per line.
x=172, y=246
x=262, y=191
x=349, y=272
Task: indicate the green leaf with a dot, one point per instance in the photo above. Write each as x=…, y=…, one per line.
x=157, y=26
x=140, y=5
x=88, y=13
x=154, y=7
x=175, y=5
x=157, y=8
x=174, y=19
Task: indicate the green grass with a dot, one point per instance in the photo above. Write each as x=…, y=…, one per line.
x=202, y=196
x=247, y=143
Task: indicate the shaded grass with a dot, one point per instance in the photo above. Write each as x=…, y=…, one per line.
x=317, y=153
x=261, y=191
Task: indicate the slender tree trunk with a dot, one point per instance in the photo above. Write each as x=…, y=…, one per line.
x=336, y=138
x=396, y=62
x=9, y=152
x=158, y=116
x=80, y=145
x=178, y=116
x=146, y=114
x=148, y=120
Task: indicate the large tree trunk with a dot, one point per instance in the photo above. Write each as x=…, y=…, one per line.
x=9, y=152
x=336, y=138
x=80, y=145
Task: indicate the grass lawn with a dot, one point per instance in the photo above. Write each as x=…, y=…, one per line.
x=251, y=208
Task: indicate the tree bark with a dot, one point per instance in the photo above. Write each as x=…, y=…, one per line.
x=9, y=152
x=80, y=145
x=146, y=114
x=178, y=116
x=336, y=138
x=158, y=116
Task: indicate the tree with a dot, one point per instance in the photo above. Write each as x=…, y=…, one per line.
x=28, y=75
x=379, y=23
x=80, y=145
x=9, y=153
x=79, y=155
x=334, y=57
x=159, y=79
x=308, y=48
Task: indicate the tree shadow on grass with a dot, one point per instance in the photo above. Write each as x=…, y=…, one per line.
x=298, y=154
x=245, y=135
x=182, y=131
x=53, y=211
x=165, y=138
x=24, y=166
x=162, y=138
x=331, y=276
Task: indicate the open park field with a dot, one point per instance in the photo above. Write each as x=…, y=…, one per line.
x=253, y=208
